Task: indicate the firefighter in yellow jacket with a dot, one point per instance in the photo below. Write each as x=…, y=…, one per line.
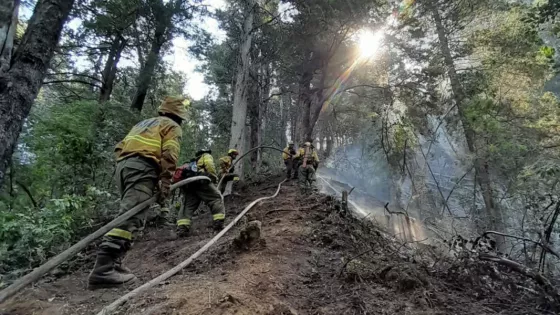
x=195, y=193
x=309, y=162
x=146, y=160
x=288, y=155
x=226, y=167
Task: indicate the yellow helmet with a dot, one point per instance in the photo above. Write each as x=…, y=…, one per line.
x=233, y=151
x=174, y=105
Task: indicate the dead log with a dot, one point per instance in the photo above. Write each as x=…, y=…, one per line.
x=526, y=271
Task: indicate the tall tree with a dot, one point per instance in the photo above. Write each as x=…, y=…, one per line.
x=20, y=84
x=167, y=19
x=239, y=116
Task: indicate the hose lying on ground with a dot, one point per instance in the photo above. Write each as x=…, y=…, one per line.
x=113, y=306
x=37, y=273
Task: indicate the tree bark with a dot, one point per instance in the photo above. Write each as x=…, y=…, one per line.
x=285, y=105
x=110, y=70
x=239, y=117
x=8, y=24
x=253, y=115
x=481, y=165
x=147, y=72
x=20, y=85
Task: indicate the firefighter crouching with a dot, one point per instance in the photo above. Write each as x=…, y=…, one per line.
x=288, y=155
x=309, y=162
x=226, y=167
x=146, y=156
x=195, y=193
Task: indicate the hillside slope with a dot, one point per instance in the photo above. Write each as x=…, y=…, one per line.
x=310, y=260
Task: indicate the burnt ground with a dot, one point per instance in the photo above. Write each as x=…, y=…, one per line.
x=311, y=260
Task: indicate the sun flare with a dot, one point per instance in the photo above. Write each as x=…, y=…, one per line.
x=369, y=42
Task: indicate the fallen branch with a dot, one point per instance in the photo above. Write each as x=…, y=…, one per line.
x=123, y=299
x=37, y=273
x=544, y=246
x=386, y=206
x=524, y=270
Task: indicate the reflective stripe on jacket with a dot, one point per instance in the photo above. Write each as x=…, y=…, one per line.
x=157, y=139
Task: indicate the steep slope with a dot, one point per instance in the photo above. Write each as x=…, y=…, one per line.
x=310, y=260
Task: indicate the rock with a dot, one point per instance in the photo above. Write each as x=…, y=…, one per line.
x=249, y=235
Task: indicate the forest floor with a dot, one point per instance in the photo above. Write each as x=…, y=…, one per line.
x=311, y=260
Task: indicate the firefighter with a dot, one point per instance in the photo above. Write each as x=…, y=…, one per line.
x=146, y=160
x=309, y=162
x=288, y=155
x=195, y=193
x=226, y=167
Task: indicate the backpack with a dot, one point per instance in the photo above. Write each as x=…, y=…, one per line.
x=185, y=171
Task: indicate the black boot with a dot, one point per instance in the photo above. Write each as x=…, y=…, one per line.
x=183, y=231
x=107, y=273
x=218, y=225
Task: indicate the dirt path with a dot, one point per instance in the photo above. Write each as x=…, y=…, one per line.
x=310, y=261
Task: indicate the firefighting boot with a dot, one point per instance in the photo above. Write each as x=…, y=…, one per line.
x=106, y=275
x=183, y=231
x=120, y=267
x=218, y=225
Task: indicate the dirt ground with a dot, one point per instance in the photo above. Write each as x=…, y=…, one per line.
x=311, y=260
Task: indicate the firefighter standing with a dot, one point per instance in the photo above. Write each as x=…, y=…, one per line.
x=288, y=155
x=226, y=167
x=195, y=193
x=308, y=163
x=146, y=156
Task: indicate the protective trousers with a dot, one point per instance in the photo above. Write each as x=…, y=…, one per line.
x=136, y=178
x=295, y=168
x=193, y=195
x=289, y=168
x=306, y=178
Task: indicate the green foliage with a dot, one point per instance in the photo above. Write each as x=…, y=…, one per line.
x=29, y=236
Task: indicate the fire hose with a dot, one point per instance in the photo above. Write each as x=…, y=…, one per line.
x=37, y=273
x=166, y=275
x=52, y=263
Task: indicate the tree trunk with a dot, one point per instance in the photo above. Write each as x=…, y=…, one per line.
x=239, y=117
x=21, y=83
x=481, y=165
x=8, y=25
x=329, y=148
x=110, y=70
x=253, y=115
x=285, y=105
x=147, y=72
x=304, y=105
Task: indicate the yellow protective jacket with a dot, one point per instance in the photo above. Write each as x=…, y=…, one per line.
x=286, y=154
x=225, y=164
x=311, y=156
x=205, y=164
x=156, y=139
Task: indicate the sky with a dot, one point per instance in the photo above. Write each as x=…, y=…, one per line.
x=182, y=61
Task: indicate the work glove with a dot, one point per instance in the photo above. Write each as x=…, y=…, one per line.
x=316, y=165
x=293, y=152
x=232, y=169
x=164, y=192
